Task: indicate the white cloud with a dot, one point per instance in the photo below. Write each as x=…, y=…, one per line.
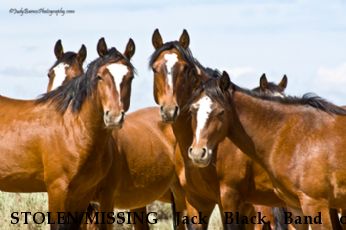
x=332, y=76
x=331, y=82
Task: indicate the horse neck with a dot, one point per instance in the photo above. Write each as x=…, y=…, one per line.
x=253, y=124
x=182, y=126
x=91, y=120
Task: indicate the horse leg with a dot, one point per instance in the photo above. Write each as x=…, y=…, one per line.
x=295, y=213
x=267, y=212
x=105, y=198
x=142, y=213
x=311, y=207
x=180, y=208
x=180, y=205
x=230, y=204
x=279, y=218
x=199, y=213
x=343, y=213
x=77, y=204
x=334, y=216
x=92, y=211
x=56, y=201
x=249, y=210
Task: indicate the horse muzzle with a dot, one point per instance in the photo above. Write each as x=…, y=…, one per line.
x=169, y=113
x=114, y=121
x=200, y=157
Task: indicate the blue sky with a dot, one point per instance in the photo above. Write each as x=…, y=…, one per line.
x=303, y=39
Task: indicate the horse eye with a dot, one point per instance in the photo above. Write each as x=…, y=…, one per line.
x=99, y=78
x=221, y=113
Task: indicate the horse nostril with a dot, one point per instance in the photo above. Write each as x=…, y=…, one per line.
x=204, y=152
x=161, y=108
x=122, y=115
x=176, y=109
x=190, y=150
x=107, y=112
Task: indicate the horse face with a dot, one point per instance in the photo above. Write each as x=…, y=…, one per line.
x=67, y=66
x=169, y=76
x=168, y=72
x=210, y=120
x=209, y=126
x=270, y=88
x=114, y=87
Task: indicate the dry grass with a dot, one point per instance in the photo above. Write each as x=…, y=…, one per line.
x=37, y=202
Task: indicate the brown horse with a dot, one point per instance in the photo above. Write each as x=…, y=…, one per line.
x=176, y=74
x=133, y=171
x=299, y=141
x=49, y=144
x=67, y=66
x=144, y=168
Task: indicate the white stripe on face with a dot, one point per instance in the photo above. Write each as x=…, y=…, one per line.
x=277, y=94
x=171, y=59
x=59, y=75
x=204, y=109
x=118, y=72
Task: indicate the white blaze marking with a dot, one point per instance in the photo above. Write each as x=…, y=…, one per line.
x=118, y=72
x=59, y=75
x=203, y=112
x=171, y=59
x=277, y=94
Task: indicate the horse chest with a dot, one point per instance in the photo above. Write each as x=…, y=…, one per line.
x=201, y=182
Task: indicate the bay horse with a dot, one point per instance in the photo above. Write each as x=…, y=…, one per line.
x=176, y=74
x=144, y=169
x=300, y=142
x=50, y=144
x=67, y=66
x=140, y=167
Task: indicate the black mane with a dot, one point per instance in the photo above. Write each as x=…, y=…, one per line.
x=212, y=73
x=68, y=58
x=309, y=99
x=271, y=87
x=186, y=53
x=213, y=90
x=76, y=90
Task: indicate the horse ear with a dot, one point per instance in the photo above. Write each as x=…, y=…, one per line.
x=184, y=39
x=283, y=82
x=157, y=39
x=130, y=49
x=224, y=81
x=58, y=50
x=81, y=55
x=195, y=77
x=263, y=82
x=102, y=49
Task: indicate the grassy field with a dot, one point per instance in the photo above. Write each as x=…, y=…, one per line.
x=37, y=202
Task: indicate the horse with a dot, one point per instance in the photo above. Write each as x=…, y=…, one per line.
x=176, y=74
x=270, y=88
x=144, y=165
x=67, y=66
x=299, y=141
x=134, y=172
x=49, y=144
